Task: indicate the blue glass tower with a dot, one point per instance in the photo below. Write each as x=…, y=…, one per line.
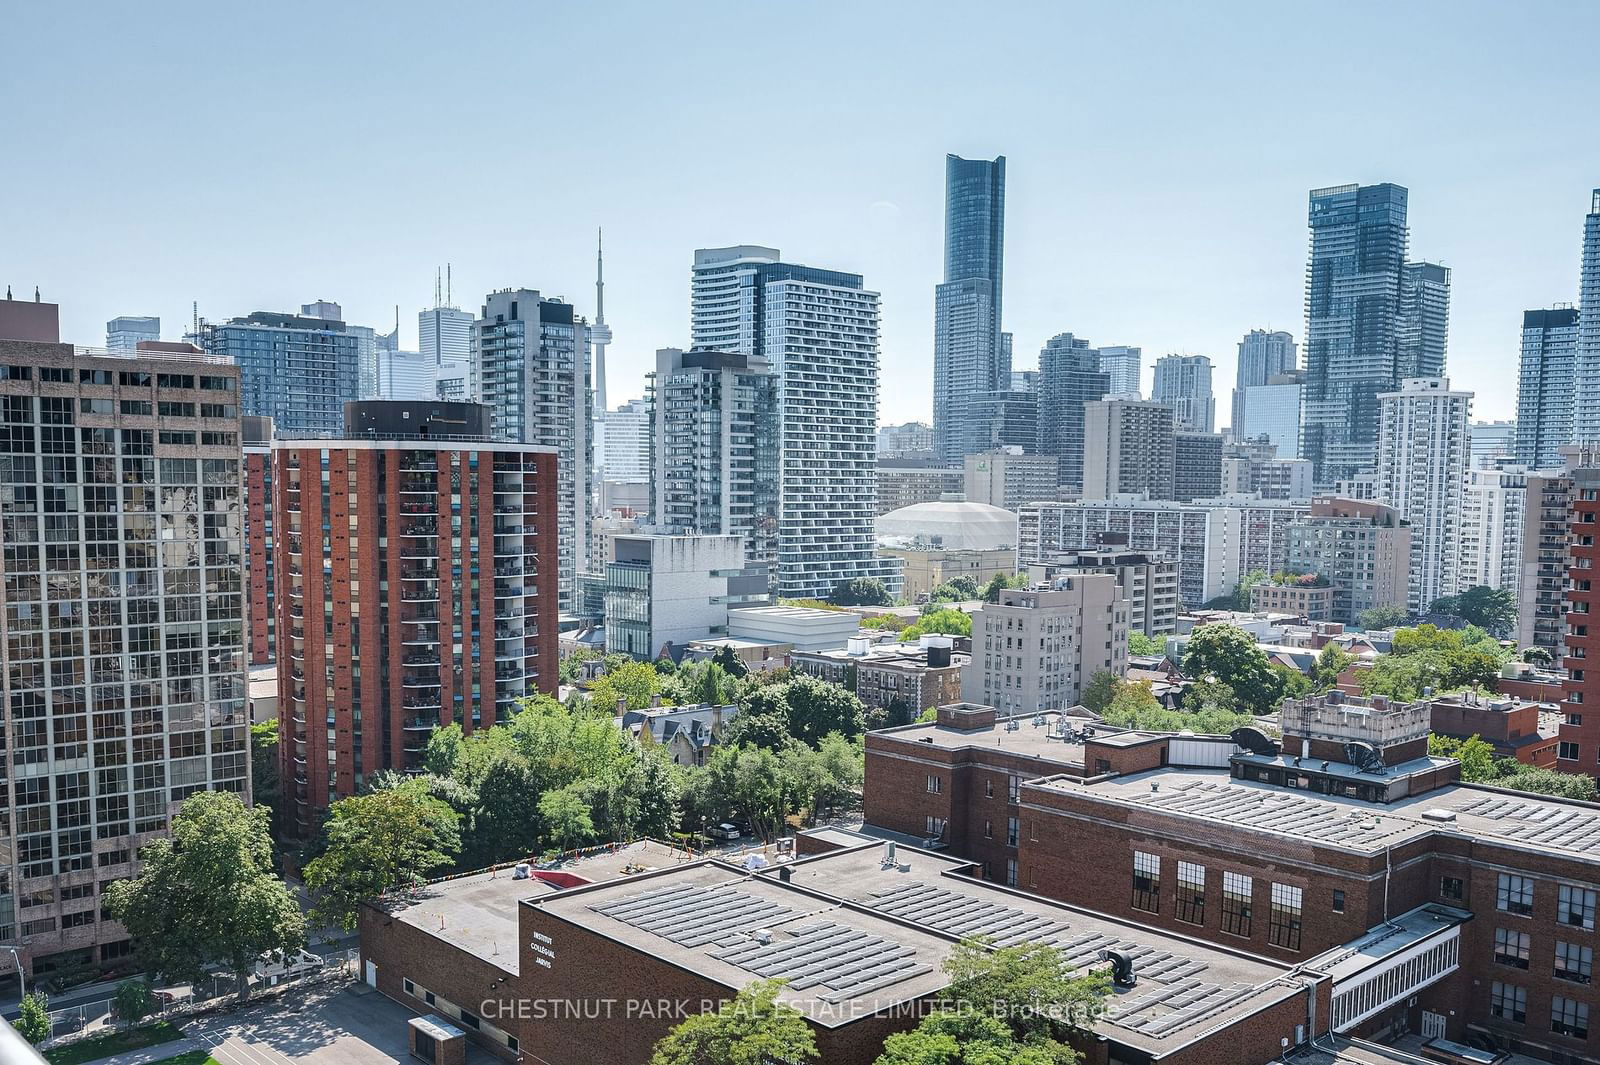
x=970, y=354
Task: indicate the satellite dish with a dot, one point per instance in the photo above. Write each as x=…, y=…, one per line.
x=1364, y=756
x=1254, y=740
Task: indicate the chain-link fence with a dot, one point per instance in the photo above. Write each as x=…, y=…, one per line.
x=95, y=1016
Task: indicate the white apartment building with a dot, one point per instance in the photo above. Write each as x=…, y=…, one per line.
x=1424, y=445
x=627, y=442
x=1493, y=504
x=818, y=329
x=1037, y=647
x=1216, y=542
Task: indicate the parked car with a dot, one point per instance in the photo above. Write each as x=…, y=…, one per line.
x=726, y=830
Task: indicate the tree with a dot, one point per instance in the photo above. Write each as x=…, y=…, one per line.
x=33, y=1018
x=730, y=662
x=635, y=682
x=378, y=842
x=1015, y=1006
x=1474, y=753
x=753, y=1029
x=1140, y=644
x=265, y=788
x=1239, y=598
x=208, y=894
x=861, y=591
x=1494, y=609
x=1000, y=582
x=1546, y=781
x=945, y=620
x=566, y=817
x=132, y=1002
x=956, y=590
x=1332, y=660
x=805, y=707
x=1135, y=707
x=1537, y=656
x=1382, y=617
x=1100, y=690
x=1227, y=653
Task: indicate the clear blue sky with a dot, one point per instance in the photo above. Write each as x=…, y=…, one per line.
x=1159, y=155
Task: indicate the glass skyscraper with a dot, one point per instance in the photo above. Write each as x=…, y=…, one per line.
x=970, y=353
x=297, y=370
x=1262, y=355
x=1069, y=377
x=1586, y=390
x=1545, y=386
x=1353, y=283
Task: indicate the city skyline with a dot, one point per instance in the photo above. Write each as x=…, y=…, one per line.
x=1145, y=269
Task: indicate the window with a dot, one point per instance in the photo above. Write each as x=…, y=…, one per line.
x=1338, y=901
x=1011, y=872
x=934, y=826
x=988, y=788
x=1450, y=887
x=1191, y=893
x=1567, y=750
x=1569, y=1017
x=1511, y=948
x=1508, y=1002
x=1575, y=907
x=1147, y=882
x=988, y=830
x=1011, y=831
x=408, y=986
x=1013, y=788
x=1515, y=894
x=935, y=785
x=1574, y=962
x=1283, y=928
x=1236, y=892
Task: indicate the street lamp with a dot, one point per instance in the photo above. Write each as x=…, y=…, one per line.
x=22, y=983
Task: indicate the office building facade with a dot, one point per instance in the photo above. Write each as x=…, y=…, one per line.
x=531, y=368
x=627, y=450
x=818, y=330
x=1196, y=466
x=1271, y=412
x=1423, y=447
x=661, y=592
x=1009, y=477
x=125, y=637
x=1422, y=332
x=444, y=334
x=423, y=566
x=1184, y=383
x=1586, y=360
x=1546, y=383
x=1124, y=369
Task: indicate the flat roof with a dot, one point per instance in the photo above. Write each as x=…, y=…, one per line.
x=477, y=913
x=1537, y=823
x=1034, y=737
x=1184, y=987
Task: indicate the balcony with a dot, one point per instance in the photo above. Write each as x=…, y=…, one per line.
x=420, y=660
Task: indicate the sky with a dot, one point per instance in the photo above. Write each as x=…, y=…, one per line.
x=256, y=157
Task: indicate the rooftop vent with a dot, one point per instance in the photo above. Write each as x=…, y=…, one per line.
x=1122, y=974
x=1444, y=816
x=762, y=936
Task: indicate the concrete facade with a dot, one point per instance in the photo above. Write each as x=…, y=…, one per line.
x=1037, y=647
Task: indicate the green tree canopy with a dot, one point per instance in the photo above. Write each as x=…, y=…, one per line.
x=1000, y=582
x=946, y=620
x=754, y=1029
x=132, y=1002
x=1140, y=644
x=1494, y=609
x=378, y=842
x=636, y=682
x=1135, y=707
x=1100, y=690
x=265, y=787
x=1382, y=617
x=566, y=817
x=1332, y=660
x=207, y=894
x=1229, y=654
x=33, y=1018
x=861, y=591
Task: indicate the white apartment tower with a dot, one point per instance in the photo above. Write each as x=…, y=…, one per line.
x=1493, y=504
x=818, y=330
x=1424, y=445
x=1184, y=383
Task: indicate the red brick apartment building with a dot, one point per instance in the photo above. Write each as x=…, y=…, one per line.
x=1516, y=728
x=260, y=583
x=1288, y=852
x=1580, y=734
x=415, y=588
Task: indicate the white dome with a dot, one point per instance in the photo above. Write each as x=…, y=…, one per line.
x=949, y=526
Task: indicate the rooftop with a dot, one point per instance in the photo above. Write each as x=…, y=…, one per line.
x=1032, y=735
x=1537, y=823
x=1184, y=988
x=478, y=912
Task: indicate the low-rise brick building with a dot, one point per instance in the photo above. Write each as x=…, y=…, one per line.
x=910, y=676
x=1515, y=728
x=1291, y=850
